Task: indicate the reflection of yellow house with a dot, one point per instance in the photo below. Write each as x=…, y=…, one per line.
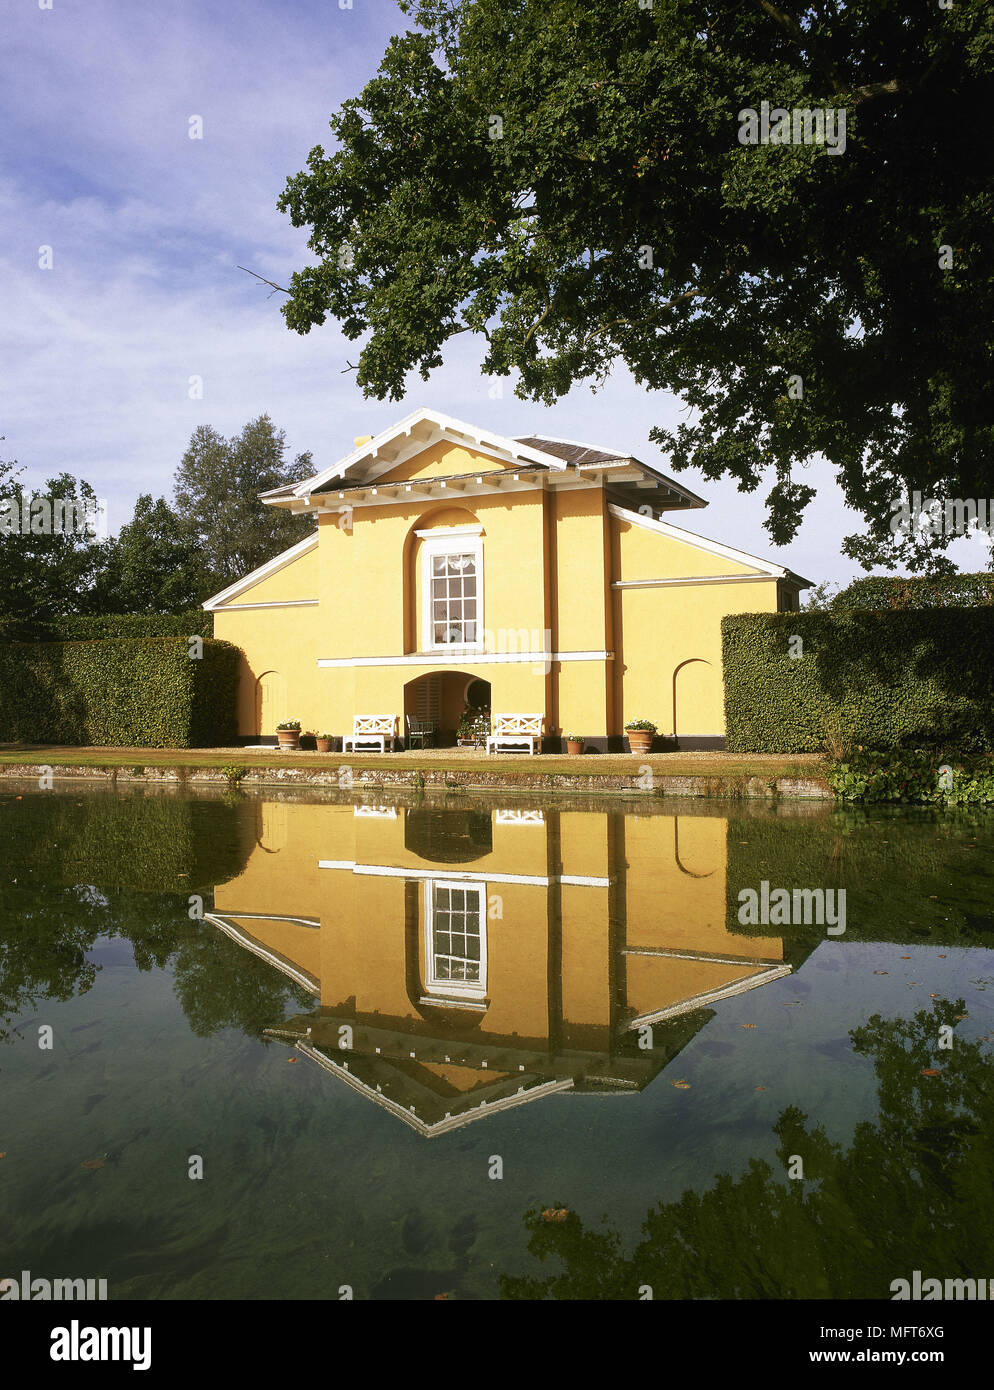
x=530, y=575
x=465, y=961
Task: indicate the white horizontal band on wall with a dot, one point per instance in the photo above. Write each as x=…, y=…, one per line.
x=276, y=603
x=443, y=532
x=703, y=579
x=385, y=871
x=462, y=656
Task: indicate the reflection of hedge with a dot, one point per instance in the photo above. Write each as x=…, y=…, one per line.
x=910, y=878
x=893, y=591
x=141, y=692
x=83, y=627
x=139, y=842
x=917, y=678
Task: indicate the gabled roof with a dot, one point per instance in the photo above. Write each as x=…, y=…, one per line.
x=409, y=436
x=564, y=462
x=572, y=452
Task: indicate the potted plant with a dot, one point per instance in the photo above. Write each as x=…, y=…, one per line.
x=288, y=733
x=474, y=726
x=324, y=742
x=640, y=733
x=574, y=743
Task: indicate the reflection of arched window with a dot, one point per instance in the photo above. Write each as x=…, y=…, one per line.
x=455, y=939
x=448, y=837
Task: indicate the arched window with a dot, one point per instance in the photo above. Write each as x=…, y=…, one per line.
x=444, y=582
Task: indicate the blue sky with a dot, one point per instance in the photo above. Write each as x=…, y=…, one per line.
x=147, y=228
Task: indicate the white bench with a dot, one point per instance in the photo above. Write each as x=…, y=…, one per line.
x=374, y=729
x=515, y=729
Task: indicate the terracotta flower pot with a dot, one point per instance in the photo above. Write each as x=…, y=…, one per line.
x=640, y=740
x=288, y=738
x=574, y=746
x=324, y=745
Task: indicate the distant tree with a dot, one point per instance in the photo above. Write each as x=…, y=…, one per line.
x=217, y=503
x=50, y=552
x=819, y=598
x=153, y=566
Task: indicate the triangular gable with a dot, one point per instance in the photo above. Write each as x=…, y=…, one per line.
x=717, y=549
x=258, y=576
x=418, y=431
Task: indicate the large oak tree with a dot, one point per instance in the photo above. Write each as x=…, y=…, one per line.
x=567, y=181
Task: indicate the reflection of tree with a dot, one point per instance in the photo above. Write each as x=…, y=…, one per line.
x=221, y=986
x=44, y=939
x=913, y=878
x=914, y=1190
x=147, y=842
x=48, y=934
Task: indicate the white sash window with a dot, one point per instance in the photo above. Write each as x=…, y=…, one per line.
x=452, y=581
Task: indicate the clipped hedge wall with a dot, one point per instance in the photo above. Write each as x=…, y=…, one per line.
x=141, y=692
x=888, y=591
x=84, y=627
x=915, y=678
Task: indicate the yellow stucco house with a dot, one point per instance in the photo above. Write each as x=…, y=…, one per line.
x=450, y=564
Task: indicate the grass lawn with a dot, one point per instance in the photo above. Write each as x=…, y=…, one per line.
x=703, y=764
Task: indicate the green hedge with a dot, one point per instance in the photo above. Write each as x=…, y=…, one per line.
x=84, y=627
x=889, y=591
x=141, y=692
x=904, y=679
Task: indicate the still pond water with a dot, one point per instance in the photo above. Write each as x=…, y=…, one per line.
x=484, y=1050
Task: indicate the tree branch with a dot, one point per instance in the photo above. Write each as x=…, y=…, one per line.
x=670, y=303
x=276, y=287
x=803, y=39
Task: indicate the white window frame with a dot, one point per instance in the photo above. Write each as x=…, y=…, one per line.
x=450, y=543
x=454, y=989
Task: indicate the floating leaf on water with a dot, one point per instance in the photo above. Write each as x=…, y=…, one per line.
x=760, y=1088
x=291, y=1059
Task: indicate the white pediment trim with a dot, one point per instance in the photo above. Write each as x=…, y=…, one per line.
x=412, y=435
